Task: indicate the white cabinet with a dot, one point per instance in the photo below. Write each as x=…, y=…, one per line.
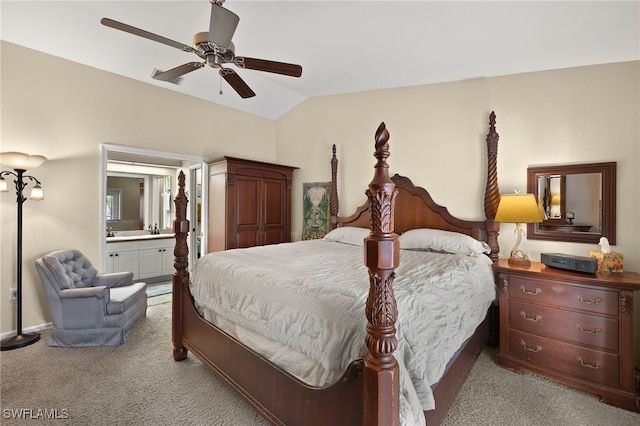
x=156, y=258
x=167, y=261
x=150, y=263
x=145, y=258
x=123, y=257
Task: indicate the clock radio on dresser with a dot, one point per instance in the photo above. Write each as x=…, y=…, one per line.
x=570, y=262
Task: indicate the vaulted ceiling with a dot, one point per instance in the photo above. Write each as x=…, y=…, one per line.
x=343, y=46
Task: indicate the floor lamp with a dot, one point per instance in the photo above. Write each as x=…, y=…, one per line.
x=20, y=163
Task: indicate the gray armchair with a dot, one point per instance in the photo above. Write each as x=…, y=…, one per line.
x=87, y=308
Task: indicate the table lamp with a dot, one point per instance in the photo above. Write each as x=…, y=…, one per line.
x=519, y=209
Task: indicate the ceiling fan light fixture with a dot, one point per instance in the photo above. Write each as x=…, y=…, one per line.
x=214, y=48
x=200, y=38
x=204, y=47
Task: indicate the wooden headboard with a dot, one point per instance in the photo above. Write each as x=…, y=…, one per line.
x=414, y=207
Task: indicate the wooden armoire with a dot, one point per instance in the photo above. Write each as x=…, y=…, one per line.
x=249, y=203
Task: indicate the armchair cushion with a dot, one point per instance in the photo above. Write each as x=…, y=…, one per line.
x=122, y=298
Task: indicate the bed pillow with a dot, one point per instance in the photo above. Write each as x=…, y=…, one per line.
x=348, y=235
x=443, y=241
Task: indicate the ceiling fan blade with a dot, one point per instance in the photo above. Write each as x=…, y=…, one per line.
x=222, y=25
x=146, y=34
x=179, y=71
x=238, y=84
x=283, y=68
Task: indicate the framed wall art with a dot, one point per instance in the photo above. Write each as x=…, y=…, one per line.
x=315, y=210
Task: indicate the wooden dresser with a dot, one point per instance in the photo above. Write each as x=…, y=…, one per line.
x=571, y=327
x=249, y=203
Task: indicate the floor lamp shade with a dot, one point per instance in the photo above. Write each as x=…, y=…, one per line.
x=519, y=209
x=20, y=163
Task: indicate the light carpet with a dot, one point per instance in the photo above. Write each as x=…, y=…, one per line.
x=139, y=383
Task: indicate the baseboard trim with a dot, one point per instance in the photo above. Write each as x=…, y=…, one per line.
x=33, y=329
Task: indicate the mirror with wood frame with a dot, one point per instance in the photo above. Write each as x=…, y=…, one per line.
x=579, y=201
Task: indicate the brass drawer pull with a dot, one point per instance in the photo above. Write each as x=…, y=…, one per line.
x=596, y=331
x=524, y=345
x=532, y=293
x=535, y=319
x=589, y=302
x=584, y=364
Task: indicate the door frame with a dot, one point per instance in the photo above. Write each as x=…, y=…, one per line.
x=198, y=163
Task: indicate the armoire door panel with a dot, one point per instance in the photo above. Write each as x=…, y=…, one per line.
x=273, y=236
x=247, y=201
x=274, y=205
x=246, y=237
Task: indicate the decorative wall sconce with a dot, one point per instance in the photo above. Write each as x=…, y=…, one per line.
x=20, y=163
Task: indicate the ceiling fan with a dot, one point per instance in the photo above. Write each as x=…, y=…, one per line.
x=215, y=49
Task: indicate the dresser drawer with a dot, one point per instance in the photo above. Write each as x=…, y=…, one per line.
x=589, y=364
x=562, y=295
x=575, y=327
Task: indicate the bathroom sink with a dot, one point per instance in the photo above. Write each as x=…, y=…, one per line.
x=119, y=238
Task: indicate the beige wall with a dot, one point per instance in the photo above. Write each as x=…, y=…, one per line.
x=65, y=111
x=587, y=114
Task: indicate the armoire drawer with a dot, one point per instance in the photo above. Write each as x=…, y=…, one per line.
x=557, y=294
x=593, y=365
x=575, y=327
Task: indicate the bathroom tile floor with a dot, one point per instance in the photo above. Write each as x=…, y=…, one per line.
x=158, y=289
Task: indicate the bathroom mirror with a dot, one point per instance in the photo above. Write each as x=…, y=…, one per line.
x=138, y=198
x=149, y=173
x=140, y=190
x=579, y=202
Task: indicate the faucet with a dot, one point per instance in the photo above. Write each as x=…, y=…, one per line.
x=110, y=232
x=154, y=230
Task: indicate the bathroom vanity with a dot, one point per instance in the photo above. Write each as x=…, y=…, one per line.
x=149, y=257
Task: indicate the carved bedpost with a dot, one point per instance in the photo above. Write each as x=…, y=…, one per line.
x=381, y=256
x=333, y=196
x=181, y=274
x=492, y=192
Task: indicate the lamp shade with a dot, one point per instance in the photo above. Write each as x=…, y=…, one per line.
x=37, y=193
x=21, y=161
x=519, y=208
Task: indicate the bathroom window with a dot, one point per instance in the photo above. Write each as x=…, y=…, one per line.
x=113, y=204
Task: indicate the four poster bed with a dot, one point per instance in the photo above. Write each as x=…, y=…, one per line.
x=301, y=340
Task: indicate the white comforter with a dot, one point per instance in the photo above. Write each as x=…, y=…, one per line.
x=302, y=306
